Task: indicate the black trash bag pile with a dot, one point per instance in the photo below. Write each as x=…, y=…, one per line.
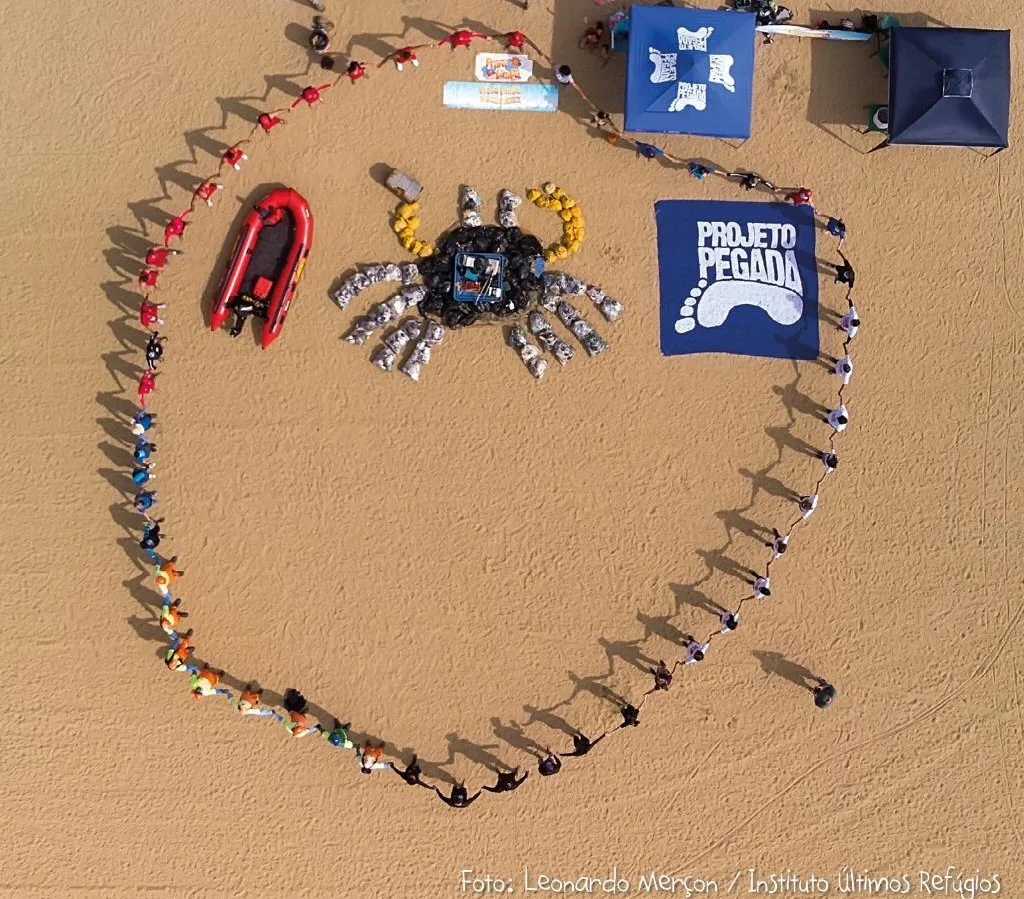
x=522, y=288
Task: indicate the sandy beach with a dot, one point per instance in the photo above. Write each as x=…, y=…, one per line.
x=472, y=567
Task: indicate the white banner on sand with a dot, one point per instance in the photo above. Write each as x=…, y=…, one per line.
x=503, y=67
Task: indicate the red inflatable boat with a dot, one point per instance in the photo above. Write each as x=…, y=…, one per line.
x=266, y=264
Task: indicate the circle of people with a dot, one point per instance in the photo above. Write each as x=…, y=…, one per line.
x=294, y=714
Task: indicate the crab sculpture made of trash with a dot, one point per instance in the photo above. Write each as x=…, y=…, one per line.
x=477, y=273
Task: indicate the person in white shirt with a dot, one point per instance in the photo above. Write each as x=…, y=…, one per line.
x=838, y=418
x=830, y=460
x=778, y=544
x=808, y=504
x=849, y=323
x=844, y=368
x=696, y=651
x=762, y=587
x=730, y=621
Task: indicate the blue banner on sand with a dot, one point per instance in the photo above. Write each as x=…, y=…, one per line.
x=738, y=278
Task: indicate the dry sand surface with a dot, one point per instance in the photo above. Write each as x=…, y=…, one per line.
x=461, y=566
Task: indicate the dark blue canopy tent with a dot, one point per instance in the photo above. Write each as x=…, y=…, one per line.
x=949, y=87
x=690, y=71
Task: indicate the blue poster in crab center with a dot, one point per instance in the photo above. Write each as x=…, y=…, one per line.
x=737, y=277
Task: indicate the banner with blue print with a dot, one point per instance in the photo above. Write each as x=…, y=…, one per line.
x=737, y=277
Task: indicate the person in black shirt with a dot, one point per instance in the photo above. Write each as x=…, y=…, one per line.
x=460, y=797
x=582, y=744
x=550, y=764
x=411, y=775
x=507, y=781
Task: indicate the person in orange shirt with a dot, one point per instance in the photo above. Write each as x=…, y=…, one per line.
x=204, y=683
x=165, y=574
x=171, y=615
x=298, y=724
x=180, y=652
x=249, y=704
x=369, y=758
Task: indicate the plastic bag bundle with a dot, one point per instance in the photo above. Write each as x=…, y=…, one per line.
x=383, y=358
x=393, y=272
x=547, y=340
x=420, y=353
x=595, y=293
x=410, y=369
x=562, y=351
x=517, y=338
x=360, y=332
x=469, y=203
x=569, y=314
x=532, y=359
x=410, y=271
x=573, y=286
x=611, y=309
x=413, y=328
x=554, y=283
x=380, y=315
x=592, y=342
x=396, y=305
x=396, y=341
x=412, y=294
x=343, y=295
x=508, y=203
x=433, y=333
x=375, y=274
x=537, y=323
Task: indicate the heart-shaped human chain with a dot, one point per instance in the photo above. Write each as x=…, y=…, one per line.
x=293, y=714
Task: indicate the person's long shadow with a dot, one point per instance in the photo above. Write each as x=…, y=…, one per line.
x=476, y=752
x=777, y=663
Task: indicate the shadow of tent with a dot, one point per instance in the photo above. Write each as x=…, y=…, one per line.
x=846, y=78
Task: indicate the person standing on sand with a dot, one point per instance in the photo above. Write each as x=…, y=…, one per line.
x=662, y=677
x=830, y=460
x=844, y=273
x=412, y=774
x=460, y=797
x=249, y=703
x=204, y=683
x=808, y=504
x=142, y=421
x=144, y=500
x=337, y=736
x=630, y=716
x=369, y=758
x=824, y=693
x=762, y=586
x=507, y=781
x=695, y=651
x=143, y=450
x=778, y=544
x=170, y=616
x=550, y=764
x=838, y=418
x=730, y=621
x=582, y=744
x=177, y=657
x=849, y=323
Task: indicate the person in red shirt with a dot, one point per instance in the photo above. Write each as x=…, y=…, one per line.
x=156, y=257
x=147, y=384
x=801, y=197
x=176, y=227
x=149, y=313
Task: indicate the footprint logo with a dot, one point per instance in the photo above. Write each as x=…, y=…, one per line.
x=709, y=307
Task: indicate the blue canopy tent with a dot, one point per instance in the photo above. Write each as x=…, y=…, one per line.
x=949, y=87
x=690, y=71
